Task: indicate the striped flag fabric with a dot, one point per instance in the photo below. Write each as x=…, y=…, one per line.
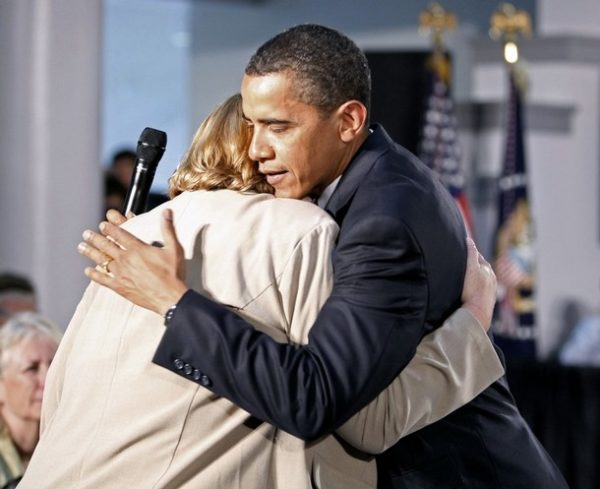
x=439, y=147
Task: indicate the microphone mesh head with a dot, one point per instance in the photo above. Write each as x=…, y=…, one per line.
x=151, y=146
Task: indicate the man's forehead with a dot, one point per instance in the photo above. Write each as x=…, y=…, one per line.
x=272, y=98
x=272, y=90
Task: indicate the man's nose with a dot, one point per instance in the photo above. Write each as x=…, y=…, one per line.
x=259, y=149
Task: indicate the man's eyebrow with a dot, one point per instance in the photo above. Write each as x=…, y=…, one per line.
x=267, y=121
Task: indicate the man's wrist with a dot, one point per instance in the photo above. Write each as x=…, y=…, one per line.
x=171, y=298
x=480, y=314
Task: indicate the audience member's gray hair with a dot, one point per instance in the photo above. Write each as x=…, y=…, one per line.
x=25, y=325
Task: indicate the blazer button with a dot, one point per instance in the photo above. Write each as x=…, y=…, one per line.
x=196, y=374
x=187, y=368
x=205, y=381
x=178, y=362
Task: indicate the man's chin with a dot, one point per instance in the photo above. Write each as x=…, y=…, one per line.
x=288, y=194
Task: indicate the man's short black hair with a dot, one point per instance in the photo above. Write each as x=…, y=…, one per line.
x=328, y=68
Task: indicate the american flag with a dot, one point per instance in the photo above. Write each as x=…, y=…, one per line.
x=439, y=147
x=514, y=263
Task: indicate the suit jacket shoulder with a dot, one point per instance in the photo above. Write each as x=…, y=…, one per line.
x=408, y=209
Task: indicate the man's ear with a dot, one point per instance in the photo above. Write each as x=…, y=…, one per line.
x=353, y=118
x=2, y=392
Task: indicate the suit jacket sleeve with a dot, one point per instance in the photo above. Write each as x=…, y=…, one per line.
x=451, y=367
x=365, y=334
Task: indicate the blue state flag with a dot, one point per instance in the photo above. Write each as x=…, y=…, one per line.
x=514, y=325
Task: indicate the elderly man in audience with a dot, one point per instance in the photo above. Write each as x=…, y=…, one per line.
x=28, y=342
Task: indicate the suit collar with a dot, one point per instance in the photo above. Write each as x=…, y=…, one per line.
x=376, y=144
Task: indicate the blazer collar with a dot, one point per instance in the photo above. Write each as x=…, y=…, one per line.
x=377, y=143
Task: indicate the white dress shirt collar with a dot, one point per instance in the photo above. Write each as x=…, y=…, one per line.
x=327, y=193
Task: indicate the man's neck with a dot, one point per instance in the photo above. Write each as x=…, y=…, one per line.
x=354, y=147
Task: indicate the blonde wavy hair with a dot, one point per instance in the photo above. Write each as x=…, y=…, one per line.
x=218, y=156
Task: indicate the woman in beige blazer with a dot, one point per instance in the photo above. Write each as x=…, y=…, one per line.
x=113, y=419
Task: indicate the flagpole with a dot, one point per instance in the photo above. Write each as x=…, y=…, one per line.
x=436, y=20
x=508, y=24
x=514, y=327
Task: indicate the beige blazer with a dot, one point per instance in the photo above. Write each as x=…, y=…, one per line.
x=113, y=419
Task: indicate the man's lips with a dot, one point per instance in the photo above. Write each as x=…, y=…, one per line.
x=274, y=177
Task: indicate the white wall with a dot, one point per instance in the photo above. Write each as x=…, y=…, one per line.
x=556, y=17
x=145, y=76
x=49, y=135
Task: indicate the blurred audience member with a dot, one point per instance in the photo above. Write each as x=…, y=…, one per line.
x=114, y=193
x=582, y=346
x=17, y=294
x=28, y=342
x=122, y=166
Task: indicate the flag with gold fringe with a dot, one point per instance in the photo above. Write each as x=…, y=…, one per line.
x=514, y=263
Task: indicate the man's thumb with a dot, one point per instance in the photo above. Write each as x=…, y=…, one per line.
x=472, y=253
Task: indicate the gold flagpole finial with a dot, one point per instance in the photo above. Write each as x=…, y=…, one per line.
x=436, y=20
x=506, y=24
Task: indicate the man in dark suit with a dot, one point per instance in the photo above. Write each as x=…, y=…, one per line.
x=399, y=265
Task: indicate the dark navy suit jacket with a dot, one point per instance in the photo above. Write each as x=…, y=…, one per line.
x=399, y=266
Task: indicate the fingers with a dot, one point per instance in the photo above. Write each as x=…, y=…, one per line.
x=92, y=253
x=472, y=253
x=479, y=288
x=474, y=257
x=115, y=217
x=99, y=247
x=123, y=238
x=97, y=276
x=483, y=263
x=168, y=230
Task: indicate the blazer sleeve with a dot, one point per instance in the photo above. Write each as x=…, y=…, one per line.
x=306, y=282
x=366, y=332
x=451, y=366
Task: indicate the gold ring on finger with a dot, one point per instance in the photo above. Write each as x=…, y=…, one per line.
x=104, y=266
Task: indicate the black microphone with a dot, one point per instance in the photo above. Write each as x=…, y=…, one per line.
x=150, y=149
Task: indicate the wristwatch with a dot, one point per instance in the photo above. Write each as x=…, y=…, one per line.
x=169, y=314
